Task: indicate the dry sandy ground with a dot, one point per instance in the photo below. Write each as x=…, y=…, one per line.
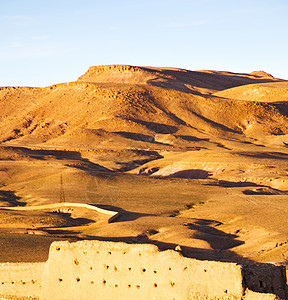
x=196, y=159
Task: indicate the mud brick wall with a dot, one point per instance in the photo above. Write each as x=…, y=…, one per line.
x=21, y=279
x=106, y=270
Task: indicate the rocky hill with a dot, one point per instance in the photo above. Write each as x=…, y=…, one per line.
x=123, y=100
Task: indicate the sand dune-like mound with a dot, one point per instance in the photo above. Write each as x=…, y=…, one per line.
x=236, y=167
x=274, y=92
x=261, y=74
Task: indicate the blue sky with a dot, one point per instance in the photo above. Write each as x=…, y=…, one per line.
x=44, y=42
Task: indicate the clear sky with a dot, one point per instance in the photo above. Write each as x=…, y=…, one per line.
x=44, y=42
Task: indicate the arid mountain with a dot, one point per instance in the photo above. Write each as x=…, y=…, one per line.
x=203, y=82
x=196, y=158
x=118, y=100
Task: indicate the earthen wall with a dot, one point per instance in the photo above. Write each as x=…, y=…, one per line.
x=107, y=270
x=21, y=279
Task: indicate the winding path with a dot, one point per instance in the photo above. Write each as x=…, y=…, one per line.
x=112, y=214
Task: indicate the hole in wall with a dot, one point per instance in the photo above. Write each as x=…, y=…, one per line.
x=32, y=281
x=226, y=291
x=76, y=262
x=139, y=254
x=115, y=268
x=109, y=252
x=143, y=270
x=155, y=271
x=60, y=279
x=129, y=269
x=124, y=252
x=58, y=248
x=12, y=282
x=91, y=268
x=2, y=282
x=205, y=270
x=155, y=285
x=169, y=269
x=92, y=282
x=77, y=279
x=138, y=287
x=104, y=281
x=172, y=284
x=129, y=286
x=106, y=267
x=116, y=285
x=23, y=282
x=185, y=269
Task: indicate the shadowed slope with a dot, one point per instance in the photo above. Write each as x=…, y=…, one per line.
x=198, y=82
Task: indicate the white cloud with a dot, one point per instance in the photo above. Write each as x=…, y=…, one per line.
x=15, y=45
x=20, y=50
x=43, y=37
x=184, y=25
x=20, y=20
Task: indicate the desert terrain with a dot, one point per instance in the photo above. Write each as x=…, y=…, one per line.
x=190, y=159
